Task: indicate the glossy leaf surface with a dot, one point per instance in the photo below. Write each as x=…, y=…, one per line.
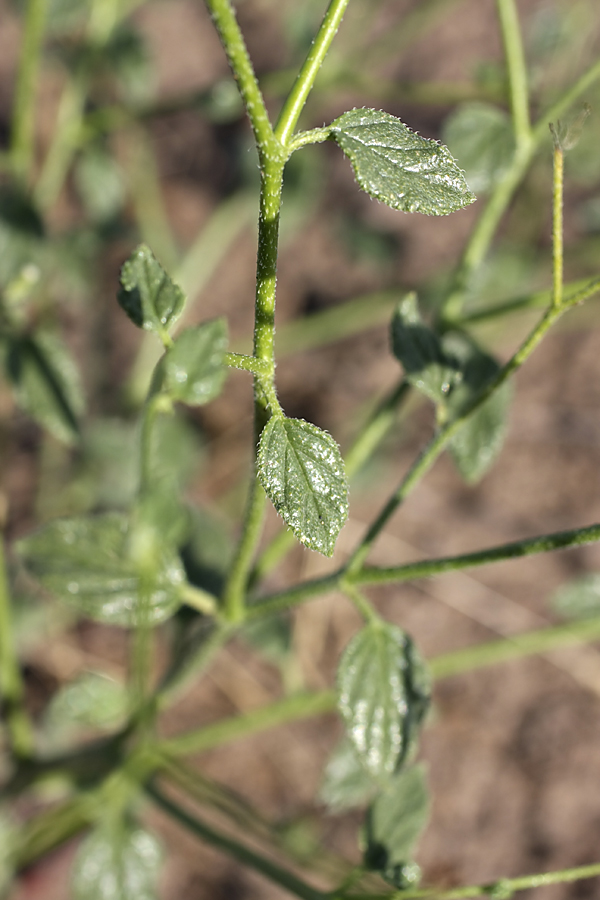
x=477, y=445
x=346, y=782
x=398, y=167
x=120, y=863
x=192, y=370
x=395, y=823
x=383, y=688
x=86, y=561
x=46, y=383
x=418, y=348
x=148, y=295
x=302, y=471
x=480, y=136
x=580, y=598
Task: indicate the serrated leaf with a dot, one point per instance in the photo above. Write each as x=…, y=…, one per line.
x=395, y=823
x=398, y=167
x=302, y=471
x=477, y=445
x=148, y=295
x=480, y=136
x=192, y=370
x=580, y=598
x=119, y=863
x=346, y=782
x=92, y=700
x=86, y=561
x=383, y=695
x=46, y=383
x=418, y=348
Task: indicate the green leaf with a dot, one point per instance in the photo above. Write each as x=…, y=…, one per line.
x=580, y=598
x=395, y=823
x=46, y=383
x=148, y=295
x=346, y=782
x=208, y=551
x=21, y=232
x=92, y=700
x=87, y=561
x=117, y=863
x=302, y=471
x=383, y=695
x=192, y=370
x=271, y=635
x=100, y=183
x=418, y=348
x=480, y=136
x=477, y=445
x=398, y=167
x=128, y=59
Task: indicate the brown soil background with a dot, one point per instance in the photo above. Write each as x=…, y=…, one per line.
x=514, y=750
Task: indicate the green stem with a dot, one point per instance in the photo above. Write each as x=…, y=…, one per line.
x=517, y=70
x=515, y=550
x=519, y=645
x=361, y=603
x=431, y=452
x=294, y=104
x=537, y=300
x=557, y=223
x=257, y=367
x=299, y=706
x=234, y=593
x=11, y=685
x=233, y=848
x=23, y=118
x=225, y=21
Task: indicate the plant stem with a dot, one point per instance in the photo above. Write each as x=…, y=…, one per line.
x=517, y=70
x=431, y=452
x=235, y=589
x=557, y=222
x=361, y=603
x=233, y=848
x=299, y=706
x=294, y=104
x=11, y=685
x=248, y=363
x=514, y=550
x=22, y=127
x=225, y=21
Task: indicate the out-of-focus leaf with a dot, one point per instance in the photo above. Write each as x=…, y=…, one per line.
x=418, y=348
x=192, y=370
x=128, y=58
x=271, y=635
x=384, y=689
x=480, y=136
x=302, y=471
x=87, y=561
x=148, y=295
x=346, y=782
x=120, y=862
x=208, y=551
x=93, y=700
x=100, y=183
x=21, y=233
x=394, y=824
x=46, y=383
x=398, y=167
x=176, y=451
x=478, y=443
x=580, y=598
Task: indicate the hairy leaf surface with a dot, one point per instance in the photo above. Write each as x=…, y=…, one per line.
x=383, y=688
x=86, y=561
x=302, y=471
x=117, y=863
x=192, y=370
x=398, y=167
x=148, y=295
x=418, y=348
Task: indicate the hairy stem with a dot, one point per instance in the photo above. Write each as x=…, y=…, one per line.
x=557, y=222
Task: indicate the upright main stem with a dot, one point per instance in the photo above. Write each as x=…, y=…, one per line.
x=21, y=141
